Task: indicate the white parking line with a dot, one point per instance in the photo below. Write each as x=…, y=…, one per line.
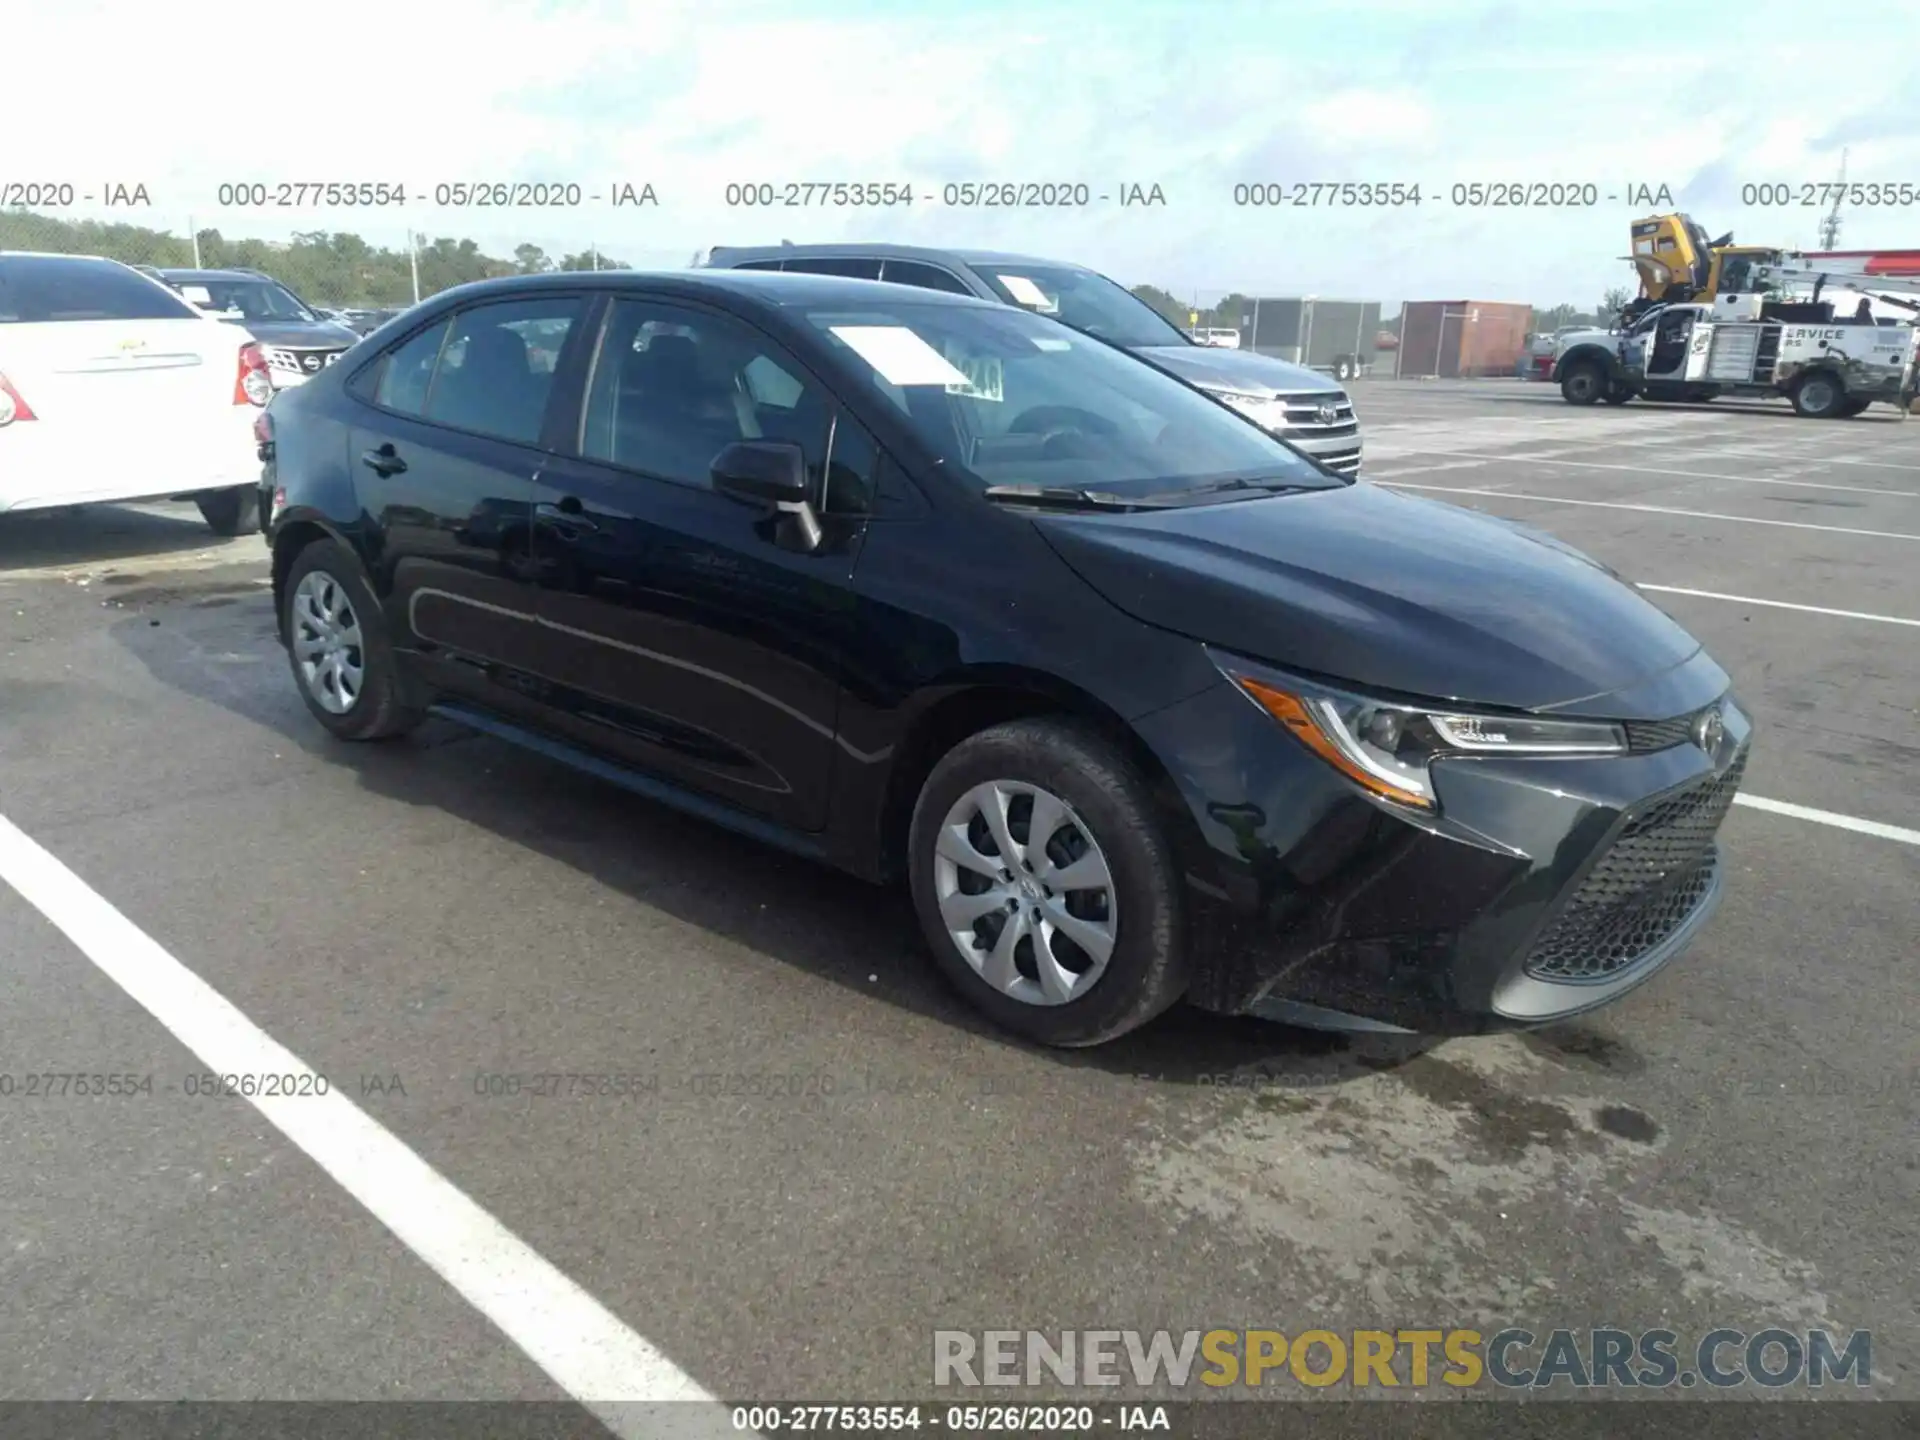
x=1696, y=475
x=1828, y=817
x=1651, y=510
x=590, y=1353
x=1779, y=604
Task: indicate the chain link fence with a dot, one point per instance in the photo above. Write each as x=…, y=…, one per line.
x=370, y=267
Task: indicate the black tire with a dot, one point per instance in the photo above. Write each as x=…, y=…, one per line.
x=1343, y=370
x=231, y=512
x=1853, y=408
x=1619, y=395
x=1146, y=972
x=1819, y=395
x=380, y=712
x=1584, y=383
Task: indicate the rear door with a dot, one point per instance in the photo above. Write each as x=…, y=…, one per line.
x=122, y=379
x=446, y=444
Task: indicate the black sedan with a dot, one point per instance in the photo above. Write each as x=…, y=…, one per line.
x=1140, y=703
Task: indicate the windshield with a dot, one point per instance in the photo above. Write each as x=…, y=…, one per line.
x=42, y=288
x=1083, y=300
x=246, y=299
x=1013, y=399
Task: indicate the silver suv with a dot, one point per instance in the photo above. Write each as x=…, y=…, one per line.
x=1302, y=407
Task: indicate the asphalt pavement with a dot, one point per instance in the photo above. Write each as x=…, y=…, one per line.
x=816, y=1157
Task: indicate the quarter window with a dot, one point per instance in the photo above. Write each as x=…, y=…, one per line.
x=407, y=372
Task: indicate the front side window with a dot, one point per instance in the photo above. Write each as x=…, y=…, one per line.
x=1013, y=399
x=672, y=388
x=926, y=277
x=1084, y=300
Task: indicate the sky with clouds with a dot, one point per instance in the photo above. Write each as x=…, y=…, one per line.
x=1195, y=98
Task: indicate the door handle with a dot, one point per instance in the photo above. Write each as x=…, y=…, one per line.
x=568, y=517
x=383, y=461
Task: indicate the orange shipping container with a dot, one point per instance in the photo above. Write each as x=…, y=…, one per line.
x=1462, y=339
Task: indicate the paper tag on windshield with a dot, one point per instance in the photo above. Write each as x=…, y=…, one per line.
x=982, y=378
x=196, y=294
x=1027, y=293
x=898, y=356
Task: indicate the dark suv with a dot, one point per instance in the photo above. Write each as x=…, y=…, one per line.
x=297, y=340
x=1138, y=702
x=1300, y=405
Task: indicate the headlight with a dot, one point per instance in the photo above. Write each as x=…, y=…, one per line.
x=1388, y=748
x=1243, y=401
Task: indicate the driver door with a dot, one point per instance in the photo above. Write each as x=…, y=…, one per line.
x=687, y=633
x=1670, y=345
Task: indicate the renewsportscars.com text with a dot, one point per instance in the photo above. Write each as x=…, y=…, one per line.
x=1511, y=1358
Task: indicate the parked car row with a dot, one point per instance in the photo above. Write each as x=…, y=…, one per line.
x=1139, y=703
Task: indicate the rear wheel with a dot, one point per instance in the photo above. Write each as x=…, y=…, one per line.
x=1045, y=883
x=1819, y=396
x=338, y=647
x=231, y=512
x=1584, y=383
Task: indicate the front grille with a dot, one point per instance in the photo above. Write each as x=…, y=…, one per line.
x=1657, y=871
x=296, y=361
x=1345, y=463
x=1646, y=735
x=1302, y=415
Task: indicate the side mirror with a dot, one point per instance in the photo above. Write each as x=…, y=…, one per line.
x=769, y=472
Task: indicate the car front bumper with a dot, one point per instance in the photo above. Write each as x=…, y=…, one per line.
x=1542, y=888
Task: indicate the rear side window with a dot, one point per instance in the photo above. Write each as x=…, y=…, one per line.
x=851, y=269
x=759, y=265
x=926, y=277
x=36, y=289
x=496, y=369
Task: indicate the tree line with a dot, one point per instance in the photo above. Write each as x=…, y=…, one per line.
x=340, y=268
x=325, y=267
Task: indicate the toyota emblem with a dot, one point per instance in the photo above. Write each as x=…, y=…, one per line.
x=312, y=362
x=1327, y=413
x=1708, y=729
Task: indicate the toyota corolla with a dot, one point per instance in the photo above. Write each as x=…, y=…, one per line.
x=1139, y=703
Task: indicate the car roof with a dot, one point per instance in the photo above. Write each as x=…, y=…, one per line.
x=864, y=250
x=173, y=273
x=769, y=287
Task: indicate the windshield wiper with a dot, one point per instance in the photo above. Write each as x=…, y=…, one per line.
x=1066, y=498
x=1239, y=485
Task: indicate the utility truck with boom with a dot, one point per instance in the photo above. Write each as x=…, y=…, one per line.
x=1775, y=336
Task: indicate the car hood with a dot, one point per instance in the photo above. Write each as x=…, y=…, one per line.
x=1216, y=368
x=297, y=332
x=1387, y=592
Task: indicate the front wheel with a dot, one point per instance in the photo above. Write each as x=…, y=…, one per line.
x=1819, y=396
x=1853, y=408
x=1618, y=394
x=1584, y=384
x=337, y=645
x=1046, y=885
x=1343, y=369
x=231, y=512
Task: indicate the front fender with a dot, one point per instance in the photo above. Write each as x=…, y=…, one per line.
x=1587, y=354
